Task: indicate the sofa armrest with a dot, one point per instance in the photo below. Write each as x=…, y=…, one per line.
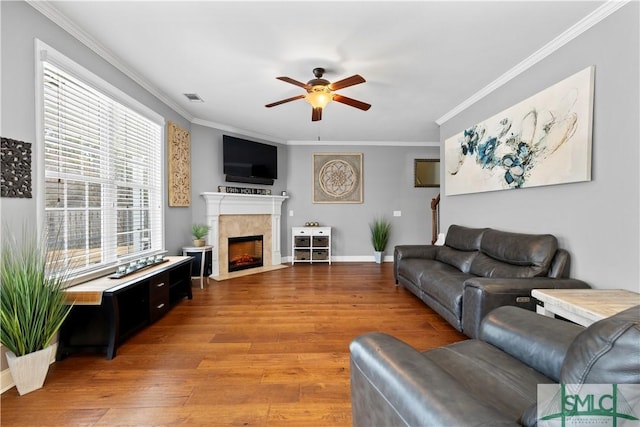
x=412, y=251
x=394, y=384
x=483, y=294
x=538, y=341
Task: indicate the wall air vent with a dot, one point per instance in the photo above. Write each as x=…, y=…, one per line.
x=193, y=97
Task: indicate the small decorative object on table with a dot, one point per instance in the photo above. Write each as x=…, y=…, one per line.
x=136, y=266
x=199, y=231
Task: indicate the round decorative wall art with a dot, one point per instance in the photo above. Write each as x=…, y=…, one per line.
x=337, y=177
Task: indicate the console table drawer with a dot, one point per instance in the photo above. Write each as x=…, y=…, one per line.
x=158, y=296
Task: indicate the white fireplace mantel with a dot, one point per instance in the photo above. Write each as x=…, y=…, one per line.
x=217, y=204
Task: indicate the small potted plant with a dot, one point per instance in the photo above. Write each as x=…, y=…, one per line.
x=33, y=306
x=380, y=229
x=199, y=232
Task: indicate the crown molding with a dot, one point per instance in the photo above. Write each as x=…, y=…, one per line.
x=571, y=33
x=240, y=131
x=367, y=143
x=257, y=135
x=50, y=11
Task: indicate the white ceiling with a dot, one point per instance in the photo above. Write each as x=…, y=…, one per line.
x=421, y=59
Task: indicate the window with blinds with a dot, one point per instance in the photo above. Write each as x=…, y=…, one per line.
x=102, y=175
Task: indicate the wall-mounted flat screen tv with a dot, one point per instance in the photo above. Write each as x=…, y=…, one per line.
x=249, y=161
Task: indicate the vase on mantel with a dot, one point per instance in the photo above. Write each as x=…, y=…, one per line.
x=29, y=371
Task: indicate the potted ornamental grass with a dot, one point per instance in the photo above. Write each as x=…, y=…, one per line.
x=199, y=231
x=33, y=306
x=380, y=230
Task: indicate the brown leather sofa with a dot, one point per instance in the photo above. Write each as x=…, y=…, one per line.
x=479, y=269
x=493, y=380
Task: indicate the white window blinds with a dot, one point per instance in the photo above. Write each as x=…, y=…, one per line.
x=103, y=184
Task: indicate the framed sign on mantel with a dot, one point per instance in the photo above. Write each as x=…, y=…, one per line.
x=337, y=177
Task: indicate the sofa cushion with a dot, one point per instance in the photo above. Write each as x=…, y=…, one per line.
x=456, y=258
x=491, y=375
x=505, y=254
x=412, y=268
x=444, y=284
x=607, y=352
x=464, y=238
x=485, y=266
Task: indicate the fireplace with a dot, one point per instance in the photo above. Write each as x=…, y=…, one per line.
x=231, y=215
x=245, y=252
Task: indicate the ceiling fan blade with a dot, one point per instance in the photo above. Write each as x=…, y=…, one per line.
x=293, y=98
x=352, y=102
x=316, y=114
x=349, y=81
x=294, y=82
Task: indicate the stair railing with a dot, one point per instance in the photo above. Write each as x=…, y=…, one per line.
x=435, y=218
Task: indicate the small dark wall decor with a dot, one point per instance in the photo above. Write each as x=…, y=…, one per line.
x=15, y=162
x=426, y=173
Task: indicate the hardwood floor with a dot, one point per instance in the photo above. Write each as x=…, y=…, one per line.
x=269, y=349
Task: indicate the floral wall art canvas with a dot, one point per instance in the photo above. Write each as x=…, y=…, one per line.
x=543, y=140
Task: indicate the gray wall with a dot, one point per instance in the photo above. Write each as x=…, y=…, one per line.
x=206, y=167
x=21, y=25
x=597, y=221
x=388, y=187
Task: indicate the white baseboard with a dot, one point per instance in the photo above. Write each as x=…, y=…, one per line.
x=356, y=258
x=6, y=382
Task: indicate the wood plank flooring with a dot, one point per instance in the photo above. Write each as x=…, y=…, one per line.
x=269, y=349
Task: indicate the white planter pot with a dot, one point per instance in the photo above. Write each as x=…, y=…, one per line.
x=29, y=371
x=378, y=256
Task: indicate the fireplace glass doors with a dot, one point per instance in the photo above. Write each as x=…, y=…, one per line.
x=245, y=252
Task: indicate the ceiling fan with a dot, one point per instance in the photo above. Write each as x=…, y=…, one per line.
x=320, y=92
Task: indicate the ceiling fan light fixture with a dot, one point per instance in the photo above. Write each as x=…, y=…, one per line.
x=320, y=92
x=318, y=96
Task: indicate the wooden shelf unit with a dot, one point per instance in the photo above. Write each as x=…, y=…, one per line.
x=311, y=245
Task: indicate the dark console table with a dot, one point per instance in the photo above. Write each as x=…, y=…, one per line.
x=108, y=311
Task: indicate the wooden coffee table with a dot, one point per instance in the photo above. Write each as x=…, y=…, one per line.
x=584, y=306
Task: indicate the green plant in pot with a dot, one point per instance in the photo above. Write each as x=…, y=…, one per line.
x=33, y=306
x=380, y=230
x=199, y=232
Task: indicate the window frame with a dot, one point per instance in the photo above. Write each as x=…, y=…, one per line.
x=45, y=53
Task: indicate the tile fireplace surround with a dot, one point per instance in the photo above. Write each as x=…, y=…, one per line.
x=237, y=215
